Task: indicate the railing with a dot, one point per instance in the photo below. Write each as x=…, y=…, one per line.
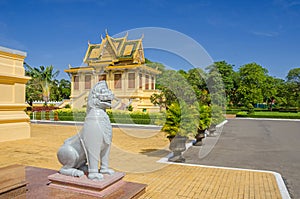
x=49, y=102
x=42, y=115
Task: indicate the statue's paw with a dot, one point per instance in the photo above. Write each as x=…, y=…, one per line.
x=95, y=176
x=71, y=172
x=78, y=173
x=107, y=171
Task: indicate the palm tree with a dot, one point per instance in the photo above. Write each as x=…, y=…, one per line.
x=42, y=77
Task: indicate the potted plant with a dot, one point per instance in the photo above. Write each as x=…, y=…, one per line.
x=216, y=118
x=180, y=123
x=203, y=124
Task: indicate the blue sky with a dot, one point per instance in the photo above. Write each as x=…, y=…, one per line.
x=57, y=31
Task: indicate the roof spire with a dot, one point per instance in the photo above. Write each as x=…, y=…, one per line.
x=88, y=42
x=101, y=37
x=142, y=37
x=106, y=32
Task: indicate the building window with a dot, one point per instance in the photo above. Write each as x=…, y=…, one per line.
x=131, y=80
x=76, y=82
x=146, y=82
x=88, y=82
x=140, y=81
x=118, y=81
x=152, y=83
x=102, y=77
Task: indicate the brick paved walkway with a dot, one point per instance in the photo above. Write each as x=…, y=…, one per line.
x=136, y=152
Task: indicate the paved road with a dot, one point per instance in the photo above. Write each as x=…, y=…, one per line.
x=257, y=144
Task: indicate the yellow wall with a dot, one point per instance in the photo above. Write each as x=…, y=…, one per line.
x=14, y=123
x=140, y=97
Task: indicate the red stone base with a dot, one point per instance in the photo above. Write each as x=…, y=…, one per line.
x=110, y=187
x=28, y=182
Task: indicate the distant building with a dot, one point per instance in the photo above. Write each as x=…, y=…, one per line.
x=121, y=63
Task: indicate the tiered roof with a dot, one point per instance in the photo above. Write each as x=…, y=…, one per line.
x=115, y=50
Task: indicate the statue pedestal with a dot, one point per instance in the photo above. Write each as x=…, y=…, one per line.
x=17, y=181
x=110, y=187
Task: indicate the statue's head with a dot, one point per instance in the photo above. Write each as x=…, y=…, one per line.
x=100, y=96
x=101, y=92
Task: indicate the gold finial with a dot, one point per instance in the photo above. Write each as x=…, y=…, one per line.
x=142, y=37
x=101, y=37
x=106, y=32
x=89, y=42
x=126, y=35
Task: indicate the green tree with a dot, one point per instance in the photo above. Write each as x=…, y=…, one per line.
x=252, y=80
x=197, y=78
x=65, y=88
x=216, y=88
x=159, y=99
x=55, y=94
x=155, y=65
x=294, y=76
x=42, y=80
x=229, y=79
x=293, y=86
x=174, y=88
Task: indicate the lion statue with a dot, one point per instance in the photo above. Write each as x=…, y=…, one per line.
x=82, y=152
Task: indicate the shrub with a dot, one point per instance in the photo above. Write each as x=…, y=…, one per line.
x=204, y=117
x=181, y=119
x=242, y=114
x=130, y=108
x=216, y=115
x=250, y=108
x=67, y=114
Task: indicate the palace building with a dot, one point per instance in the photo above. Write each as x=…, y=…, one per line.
x=121, y=63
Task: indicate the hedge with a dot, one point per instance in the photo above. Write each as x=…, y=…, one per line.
x=283, y=115
x=134, y=117
x=287, y=110
x=115, y=116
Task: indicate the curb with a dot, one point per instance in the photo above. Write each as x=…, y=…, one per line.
x=271, y=119
x=114, y=125
x=222, y=123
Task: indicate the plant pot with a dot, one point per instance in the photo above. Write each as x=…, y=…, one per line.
x=177, y=146
x=200, y=135
x=170, y=137
x=212, y=129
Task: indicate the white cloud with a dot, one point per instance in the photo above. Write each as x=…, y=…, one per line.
x=265, y=34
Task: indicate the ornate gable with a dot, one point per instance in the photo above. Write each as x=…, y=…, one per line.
x=115, y=50
x=108, y=52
